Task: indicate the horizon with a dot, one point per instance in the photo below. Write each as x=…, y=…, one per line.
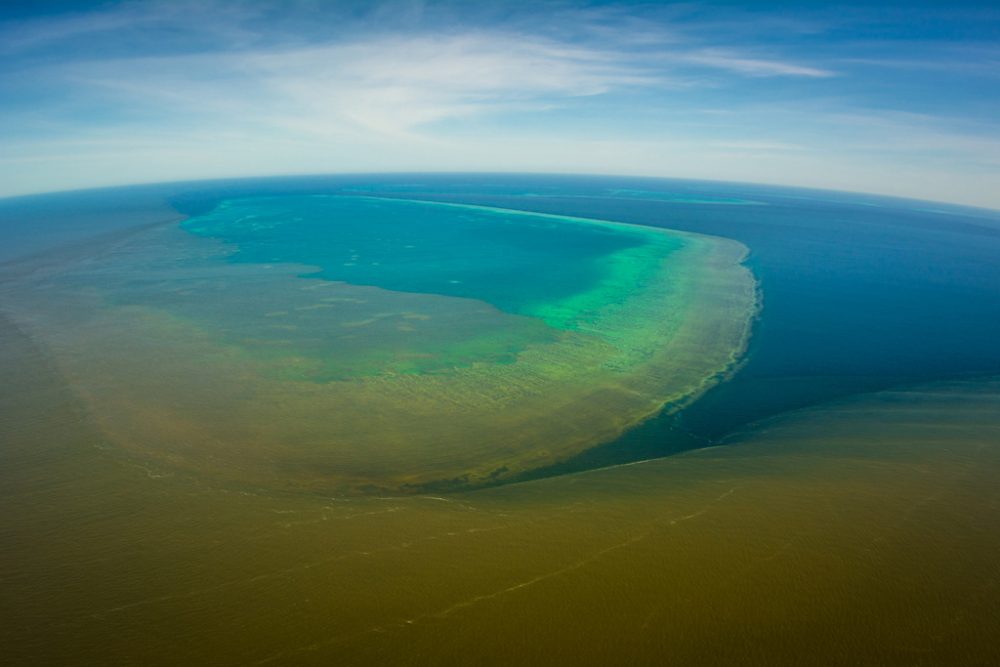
x=897, y=100
x=215, y=180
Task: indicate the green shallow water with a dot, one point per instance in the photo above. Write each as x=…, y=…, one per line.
x=352, y=344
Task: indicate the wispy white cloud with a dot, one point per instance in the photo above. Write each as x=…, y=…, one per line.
x=382, y=85
x=975, y=62
x=392, y=85
x=27, y=34
x=742, y=64
x=755, y=145
x=135, y=23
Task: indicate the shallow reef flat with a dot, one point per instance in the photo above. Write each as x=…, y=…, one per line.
x=859, y=532
x=354, y=344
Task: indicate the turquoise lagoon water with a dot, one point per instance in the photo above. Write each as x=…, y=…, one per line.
x=518, y=263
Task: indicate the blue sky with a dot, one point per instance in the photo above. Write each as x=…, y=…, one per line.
x=894, y=98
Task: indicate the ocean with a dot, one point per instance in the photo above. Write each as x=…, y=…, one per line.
x=821, y=491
